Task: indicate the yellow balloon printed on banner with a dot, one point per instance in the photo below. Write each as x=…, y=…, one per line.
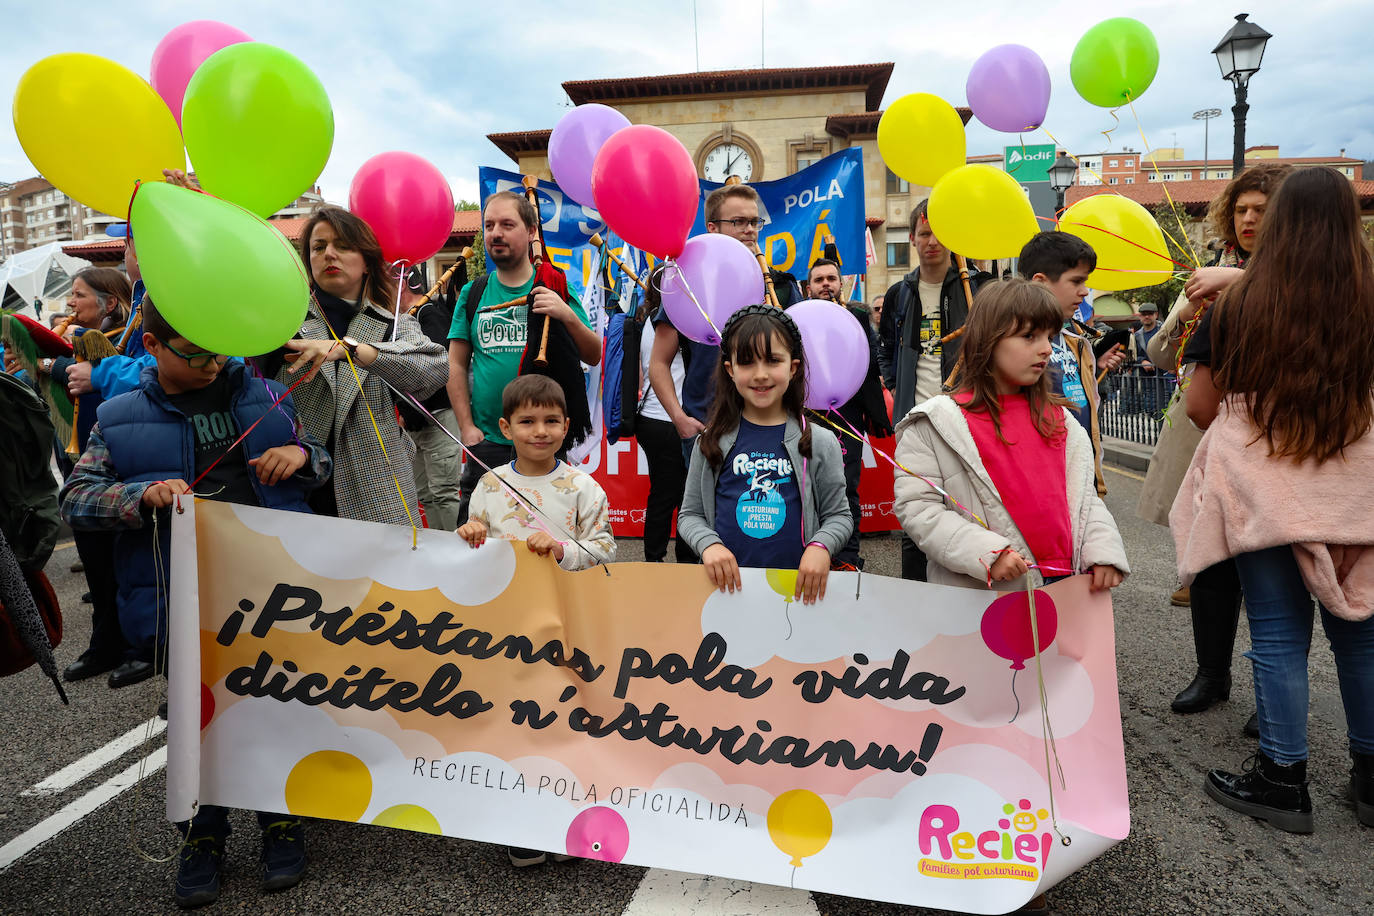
x=921, y=138
x=408, y=817
x=329, y=784
x=66, y=102
x=782, y=581
x=980, y=211
x=799, y=823
x=1130, y=247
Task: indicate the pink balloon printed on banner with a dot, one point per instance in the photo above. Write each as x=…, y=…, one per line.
x=406, y=201
x=599, y=833
x=1008, y=89
x=1006, y=626
x=836, y=348
x=723, y=276
x=576, y=139
x=184, y=49
x=646, y=189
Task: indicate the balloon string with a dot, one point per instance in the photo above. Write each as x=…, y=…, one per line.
x=1178, y=264
x=400, y=267
x=1173, y=208
x=1107, y=134
x=284, y=395
x=1076, y=160
x=1015, y=697
x=1046, y=728
x=682, y=278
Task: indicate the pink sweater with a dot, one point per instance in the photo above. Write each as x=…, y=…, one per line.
x=1235, y=499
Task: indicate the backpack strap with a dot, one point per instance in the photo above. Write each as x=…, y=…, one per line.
x=479, y=286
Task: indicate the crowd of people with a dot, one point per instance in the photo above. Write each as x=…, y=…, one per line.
x=994, y=399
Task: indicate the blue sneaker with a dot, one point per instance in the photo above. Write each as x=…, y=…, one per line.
x=283, y=855
x=197, y=882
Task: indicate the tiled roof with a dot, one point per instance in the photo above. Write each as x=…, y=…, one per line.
x=865, y=123
x=1220, y=163
x=873, y=222
x=522, y=141
x=871, y=77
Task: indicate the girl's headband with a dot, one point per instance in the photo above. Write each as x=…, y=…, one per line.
x=763, y=309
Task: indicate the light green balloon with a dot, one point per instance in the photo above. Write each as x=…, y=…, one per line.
x=1114, y=62
x=221, y=276
x=258, y=126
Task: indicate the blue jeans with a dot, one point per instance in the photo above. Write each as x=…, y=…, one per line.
x=1280, y=611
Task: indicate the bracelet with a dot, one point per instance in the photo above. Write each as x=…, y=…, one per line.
x=820, y=545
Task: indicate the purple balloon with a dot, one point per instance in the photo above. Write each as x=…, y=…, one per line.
x=836, y=348
x=574, y=143
x=724, y=277
x=1009, y=89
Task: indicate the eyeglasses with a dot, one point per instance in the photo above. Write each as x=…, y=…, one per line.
x=196, y=360
x=739, y=222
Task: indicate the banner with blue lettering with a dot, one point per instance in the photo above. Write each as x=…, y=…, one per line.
x=801, y=210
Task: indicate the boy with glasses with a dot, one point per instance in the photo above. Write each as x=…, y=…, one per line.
x=180, y=425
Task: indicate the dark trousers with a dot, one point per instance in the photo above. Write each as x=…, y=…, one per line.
x=853, y=452
x=662, y=448
x=492, y=454
x=96, y=549
x=913, y=561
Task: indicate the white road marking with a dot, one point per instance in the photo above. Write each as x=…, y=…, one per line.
x=45, y=830
x=73, y=773
x=673, y=893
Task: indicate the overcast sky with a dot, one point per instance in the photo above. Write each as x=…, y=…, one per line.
x=409, y=76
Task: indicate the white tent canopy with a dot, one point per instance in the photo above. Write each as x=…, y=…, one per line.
x=39, y=273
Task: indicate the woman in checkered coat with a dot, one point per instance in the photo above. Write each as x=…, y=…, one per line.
x=354, y=295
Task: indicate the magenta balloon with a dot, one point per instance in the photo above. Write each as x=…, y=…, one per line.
x=406, y=201
x=722, y=274
x=181, y=51
x=836, y=348
x=1007, y=631
x=577, y=138
x=1009, y=89
x=645, y=187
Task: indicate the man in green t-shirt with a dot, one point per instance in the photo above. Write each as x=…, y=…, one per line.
x=491, y=346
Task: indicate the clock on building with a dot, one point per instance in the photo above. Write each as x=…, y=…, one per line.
x=726, y=159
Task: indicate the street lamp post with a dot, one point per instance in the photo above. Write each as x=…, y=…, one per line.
x=1205, y=116
x=1062, y=175
x=1239, y=55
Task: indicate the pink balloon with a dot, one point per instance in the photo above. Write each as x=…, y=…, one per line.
x=1006, y=626
x=184, y=49
x=599, y=833
x=576, y=139
x=836, y=348
x=646, y=189
x=406, y=201
x=724, y=277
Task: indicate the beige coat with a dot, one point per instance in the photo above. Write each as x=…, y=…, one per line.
x=1178, y=437
x=934, y=442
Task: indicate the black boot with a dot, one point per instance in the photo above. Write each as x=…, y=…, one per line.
x=1214, y=636
x=1268, y=791
x=1362, y=787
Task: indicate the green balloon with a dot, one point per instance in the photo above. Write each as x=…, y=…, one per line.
x=258, y=126
x=221, y=276
x=1114, y=62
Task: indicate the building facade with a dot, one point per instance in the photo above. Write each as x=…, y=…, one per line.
x=33, y=213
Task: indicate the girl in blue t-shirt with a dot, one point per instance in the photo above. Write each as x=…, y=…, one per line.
x=764, y=489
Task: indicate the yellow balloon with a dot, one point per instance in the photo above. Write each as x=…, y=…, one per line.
x=782, y=581
x=330, y=784
x=799, y=822
x=94, y=128
x=980, y=211
x=921, y=138
x=408, y=817
x=1130, y=247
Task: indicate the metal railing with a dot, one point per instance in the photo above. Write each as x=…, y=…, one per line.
x=1133, y=403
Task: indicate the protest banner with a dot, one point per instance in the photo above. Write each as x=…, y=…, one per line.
x=876, y=744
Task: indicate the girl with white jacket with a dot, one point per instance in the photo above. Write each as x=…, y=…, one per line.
x=996, y=479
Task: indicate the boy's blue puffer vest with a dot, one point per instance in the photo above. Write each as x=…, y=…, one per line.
x=150, y=440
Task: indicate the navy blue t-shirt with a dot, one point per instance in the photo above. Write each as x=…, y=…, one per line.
x=1066, y=381
x=699, y=372
x=758, y=500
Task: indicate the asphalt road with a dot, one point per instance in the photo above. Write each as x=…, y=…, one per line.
x=1185, y=854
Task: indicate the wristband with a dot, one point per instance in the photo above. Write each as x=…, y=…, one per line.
x=818, y=544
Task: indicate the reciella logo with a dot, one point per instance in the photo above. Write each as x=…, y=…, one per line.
x=1018, y=848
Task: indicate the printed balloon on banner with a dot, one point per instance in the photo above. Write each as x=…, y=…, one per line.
x=182, y=50
x=799, y=823
x=921, y=138
x=837, y=354
x=1114, y=62
x=224, y=278
x=406, y=201
x=980, y=211
x=576, y=139
x=1129, y=244
x=646, y=189
x=598, y=833
x=1006, y=626
x=1008, y=88
x=258, y=126
x=69, y=94
x=714, y=277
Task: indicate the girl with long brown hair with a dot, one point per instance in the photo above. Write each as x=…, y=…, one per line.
x=999, y=476
x=1284, y=477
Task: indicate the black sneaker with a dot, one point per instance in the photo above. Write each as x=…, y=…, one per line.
x=283, y=855
x=524, y=858
x=197, y=882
